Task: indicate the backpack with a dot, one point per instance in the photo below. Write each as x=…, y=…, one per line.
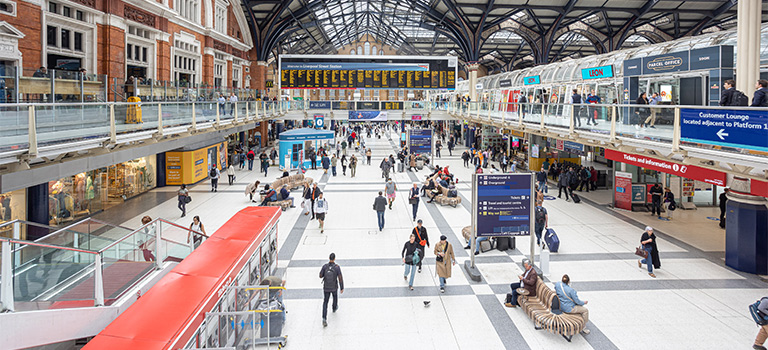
x=541, y=215
x=758, y=316
x=416, y=257
x=330, y=276
x=739, y=99
x=585, y=174
x=213, y=172
x=573, y=180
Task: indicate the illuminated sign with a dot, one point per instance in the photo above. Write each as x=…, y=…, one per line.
x=597, y=72
x=532, y=80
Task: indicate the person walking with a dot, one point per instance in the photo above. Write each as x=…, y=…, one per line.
x=411, y=258
x=570, y=302
x=669, y=200
x=352, y=165
x=723, y=200
x=760, y=98
x=334, y=162
x=390, y=188
x=438, y=147
x=542, y=220
x=444, y=260
x=214, y=174
x=307, y=196
x=577, y=108
x=654, y=101
x=184, y=198
x=194, y=228
x=330, y=273
x=380, y=206
x=541, y=179
x=762, y=334
x=656, y=192
x=641, y=111
x=251, y=189
x=344, y=165
x=264, y=162
x=314, y=196
x=321, y=207
x=648, y=241
x=251, y=156
x=413, y=199
x=368, y=155
x=594, y=112
x=326, y=162
x=423, y=239
x=231, y=174
x=562, y=184
x=384, y=165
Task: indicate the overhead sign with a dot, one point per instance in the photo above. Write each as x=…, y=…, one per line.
x=479, y=86
x=319, y=121
x=368, y=116
x=420, y=141
x=683, y=170
x=415, y=117
x=622, y=197
x=504, y=204
x=723, y=127
x=319, y=104
x=698, y=59
x=672, y=62
x=597, y=72
x=504, y=83
x=532, y=80
x=572, y=147
x=367, y=72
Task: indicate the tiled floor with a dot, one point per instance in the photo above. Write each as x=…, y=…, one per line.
x=696, y=301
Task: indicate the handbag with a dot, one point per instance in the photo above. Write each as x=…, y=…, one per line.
x=422, y=242
x=439, y=258
x=413, y=200
x=187, y=199
x=639, y=251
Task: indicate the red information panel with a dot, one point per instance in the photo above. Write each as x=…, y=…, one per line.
x=687, y=171
x=623, y=195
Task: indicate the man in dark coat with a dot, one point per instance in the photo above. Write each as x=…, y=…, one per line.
x=528, y=280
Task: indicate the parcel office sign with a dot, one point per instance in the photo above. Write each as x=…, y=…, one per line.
x=673, y=62
x=713, y=57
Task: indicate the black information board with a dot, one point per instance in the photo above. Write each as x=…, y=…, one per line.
x=503, y=204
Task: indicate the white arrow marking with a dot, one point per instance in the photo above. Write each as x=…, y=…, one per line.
x=721, y=134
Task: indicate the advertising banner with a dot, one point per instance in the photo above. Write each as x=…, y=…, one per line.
x=415, y=117
x=665, y=91
x=319, y=104
x=532, y=80
x=597, y=72
x=622, y=197
x=504, y=204
x=687, y=171
x=724, y=127
x=189, y=167
x=534, y=151
x=368, y=116
x=420, y=141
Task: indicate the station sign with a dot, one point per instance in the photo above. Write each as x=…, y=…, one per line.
x=597, y=72
x=504, y=83
x=319, y=121
x=504, y=204
x=420, y=141
x=415, y=118
x=683, y=170
x=532, y=80
x=319, y=104
x=724, y=127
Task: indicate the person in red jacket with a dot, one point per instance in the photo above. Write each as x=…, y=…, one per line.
x=593, y=178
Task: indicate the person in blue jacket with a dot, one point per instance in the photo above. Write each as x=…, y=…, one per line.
x=760, y=98
x=570, y=302
x=326, y=163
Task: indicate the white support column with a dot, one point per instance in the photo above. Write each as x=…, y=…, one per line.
x=159, y=119
x=112, y=127
x=6, y=284
x=748, y=45
x=194, y=117
x=235, y=114
x=571, y=123
x=218, y=115
x=159, y=253
x=676, y=131
x=32, y=125
x=98, y=280
x=473, y=80
x=248, y=110
x=613, y=123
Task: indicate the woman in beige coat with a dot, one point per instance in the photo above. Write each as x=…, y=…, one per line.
x=412, y=162
x=444, y=260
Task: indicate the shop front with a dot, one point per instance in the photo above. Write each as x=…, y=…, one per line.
x=13, y=206
x=295, y=143
x=191, y=166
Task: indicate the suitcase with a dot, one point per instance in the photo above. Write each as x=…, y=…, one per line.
x=486, y=246
x=401, y=167
x=553, y=242
x=576, y=198
x=502, y=243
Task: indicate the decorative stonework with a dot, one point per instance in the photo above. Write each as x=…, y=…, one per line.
x=137, y=15
x=237, y=53
x=89, y=3
x=218, y=45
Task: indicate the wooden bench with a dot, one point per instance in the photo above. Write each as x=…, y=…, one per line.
x=293, y=182
x=284, y=204
x=443, y=199
x=539, y=309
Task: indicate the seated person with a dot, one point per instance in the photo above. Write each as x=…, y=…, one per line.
x=570, y=302
x=285, y=194
x=285, y=174
x=527, y=280
x=269, y=195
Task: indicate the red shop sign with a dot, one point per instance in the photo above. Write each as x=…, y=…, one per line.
x=687, y=171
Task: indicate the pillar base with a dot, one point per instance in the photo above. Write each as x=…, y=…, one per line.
x=746, y=233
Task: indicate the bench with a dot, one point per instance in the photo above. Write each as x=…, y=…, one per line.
x=539, y=309
x=293, y=182
x=284, y=204
x=443, y=199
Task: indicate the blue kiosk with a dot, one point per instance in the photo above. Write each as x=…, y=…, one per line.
x=294, y=143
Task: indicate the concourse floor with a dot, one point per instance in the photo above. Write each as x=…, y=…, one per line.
x=695, y=301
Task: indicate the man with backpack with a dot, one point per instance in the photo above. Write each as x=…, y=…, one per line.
x=332, y=280
x=727, y=98
x=214, y=175
x=542, y=220
x=563, y=183
x=584, y=176
x=759, y=311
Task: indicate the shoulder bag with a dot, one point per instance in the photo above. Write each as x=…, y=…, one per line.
x=639, y=251
x=422, y=242
x=440, y=258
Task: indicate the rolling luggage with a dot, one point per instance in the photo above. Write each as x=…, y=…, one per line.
x=553, y=242
x=401, y=167
x=486, y=246
x=502, y=243
x=576, y=198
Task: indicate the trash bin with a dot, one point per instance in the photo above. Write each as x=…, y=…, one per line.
x=133, y=115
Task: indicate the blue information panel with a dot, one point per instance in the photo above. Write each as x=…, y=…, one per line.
x=503, y=205
x=420, y=141
x=724, y=127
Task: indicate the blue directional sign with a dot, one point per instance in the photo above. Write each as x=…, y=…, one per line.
x=420, y=141
x=724, y=127
x=503, y=204
x=319, y=121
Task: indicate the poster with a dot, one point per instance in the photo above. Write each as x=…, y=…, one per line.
x=173, y=167
x=688, y=187
x=638, y=193
x=622, y=195
x=665, y=92
x=534, y=151
x=368, y=116
x=188, y=167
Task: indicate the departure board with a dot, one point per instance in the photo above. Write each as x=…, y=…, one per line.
x=369, y=72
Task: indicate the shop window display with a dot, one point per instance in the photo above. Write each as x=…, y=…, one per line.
x=12, y=207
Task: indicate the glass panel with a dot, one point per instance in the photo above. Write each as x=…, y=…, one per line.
x=67, y=123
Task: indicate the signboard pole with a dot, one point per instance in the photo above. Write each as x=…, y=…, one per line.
x=473, y=236
x=432, y=148
x=532, y=219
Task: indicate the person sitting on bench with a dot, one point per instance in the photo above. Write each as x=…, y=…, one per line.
x=570, y=302
x=527, y=280
x=269, y=196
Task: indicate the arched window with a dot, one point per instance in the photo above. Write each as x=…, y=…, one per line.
x=359, y=50
x=374, y=51
x=367, y=49
x=352, y=52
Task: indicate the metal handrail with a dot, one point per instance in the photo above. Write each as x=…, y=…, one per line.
x=45, y=245
x=142, y=227
x=182, y=227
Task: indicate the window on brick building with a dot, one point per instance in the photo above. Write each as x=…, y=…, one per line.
x=189, y=9
x=218, y=74
x=52, y=32
x=235, y=77
x=7, y=7
x=220, y=18
x=78, y=41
